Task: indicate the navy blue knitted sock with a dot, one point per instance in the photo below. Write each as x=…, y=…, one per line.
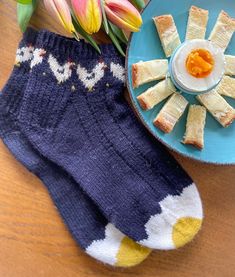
x=75, y=114
x=88, y=226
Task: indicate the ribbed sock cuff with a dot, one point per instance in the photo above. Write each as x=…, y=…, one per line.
x=29, y=37
x=70, y=48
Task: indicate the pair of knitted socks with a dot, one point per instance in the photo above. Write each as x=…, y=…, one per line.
x=63, y=115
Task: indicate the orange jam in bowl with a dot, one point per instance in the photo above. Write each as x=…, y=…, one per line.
x=200, y=63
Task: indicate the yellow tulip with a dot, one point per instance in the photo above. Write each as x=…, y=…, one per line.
x=88, y=14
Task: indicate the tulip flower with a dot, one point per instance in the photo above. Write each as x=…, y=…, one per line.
x=60, y=9
x=88, y=14
x=123, y=14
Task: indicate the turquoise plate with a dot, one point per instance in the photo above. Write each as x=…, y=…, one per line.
x=145, y=45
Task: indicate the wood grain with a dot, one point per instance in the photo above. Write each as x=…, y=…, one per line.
x=34, y=240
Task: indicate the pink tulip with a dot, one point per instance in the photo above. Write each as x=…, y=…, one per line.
x=88, y=14
x=60, y=9
x=123, y=14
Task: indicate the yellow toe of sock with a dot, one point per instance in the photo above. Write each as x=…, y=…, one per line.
x=130, y=253
x=185, y=229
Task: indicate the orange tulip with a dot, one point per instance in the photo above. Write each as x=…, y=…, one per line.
x=60, y=9
x=123, y=14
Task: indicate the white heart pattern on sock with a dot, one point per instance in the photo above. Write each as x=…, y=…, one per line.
x=92, y=77
x=38, y=55
x=118, y=71
x=61, y=72
x=24, y=54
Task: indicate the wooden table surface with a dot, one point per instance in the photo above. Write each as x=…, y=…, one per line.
x=34, y=240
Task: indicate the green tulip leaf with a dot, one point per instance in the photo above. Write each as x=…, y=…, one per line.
x=140, y=4
x=119, y=33
x=116, y=42
x=25, y=2
x=105, y=21
x=24, y=14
